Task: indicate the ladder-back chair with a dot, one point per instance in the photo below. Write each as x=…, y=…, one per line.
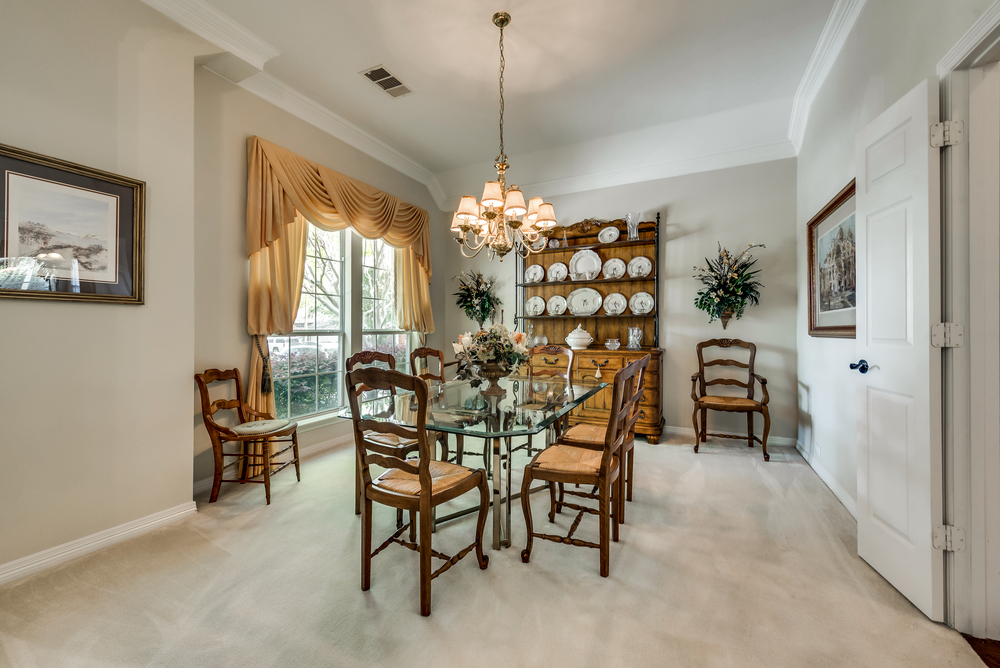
x=703, y=402
x=423, y=356
x=256, y=438
x=546, y=362
x=413, y=485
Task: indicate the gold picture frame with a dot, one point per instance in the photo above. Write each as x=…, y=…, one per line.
x=69, y=232
x=831, y=268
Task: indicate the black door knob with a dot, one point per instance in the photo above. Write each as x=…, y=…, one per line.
x=861, y=366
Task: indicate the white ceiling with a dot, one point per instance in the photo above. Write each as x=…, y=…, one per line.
x=576, y=70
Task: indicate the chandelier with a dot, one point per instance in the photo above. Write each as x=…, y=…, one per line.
x=501, y=222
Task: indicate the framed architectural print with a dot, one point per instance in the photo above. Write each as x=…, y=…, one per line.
x=69, y=232
x=830, y=243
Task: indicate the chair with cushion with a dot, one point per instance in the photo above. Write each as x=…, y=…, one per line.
x=417, y=486
x=386, y=444
x=598, y=467
x=703, y=402
x=594, y=435
x=256, y=438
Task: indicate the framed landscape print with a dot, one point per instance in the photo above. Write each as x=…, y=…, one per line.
x=69, y=232
x=832, y=273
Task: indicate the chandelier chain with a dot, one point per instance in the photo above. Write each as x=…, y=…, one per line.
x=503, y=156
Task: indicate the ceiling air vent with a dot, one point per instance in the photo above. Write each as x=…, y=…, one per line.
x=382, y=78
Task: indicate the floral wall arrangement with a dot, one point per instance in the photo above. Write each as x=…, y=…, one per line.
x=729, y=285
x=476, y=297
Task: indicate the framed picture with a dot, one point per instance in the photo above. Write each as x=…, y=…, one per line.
x=832, y=293
x=69, y=232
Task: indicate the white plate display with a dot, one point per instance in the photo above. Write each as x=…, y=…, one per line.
x=641, y=303
x=614, y=268
x=557, y=272
x=615, y=303
x=534, y=306
x=640, y=267
x=556, y=305
x=608, y=235
x=585, y=265
x=585, y=301
x=534, y=274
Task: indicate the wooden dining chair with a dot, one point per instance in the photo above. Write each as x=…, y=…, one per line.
x=416, y=486
x=582, y=465
x=386, y=444
x=423, y=355
x=546, y=362
x=593, y=435
x=251, y=435
x=703, y=402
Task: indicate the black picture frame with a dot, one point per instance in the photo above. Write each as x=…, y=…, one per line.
x=69, y=232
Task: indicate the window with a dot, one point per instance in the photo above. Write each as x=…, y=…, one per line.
x=307, y=364
x=379, y=330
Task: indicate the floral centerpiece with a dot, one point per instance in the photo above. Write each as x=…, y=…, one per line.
x=476, y=297
x=496, y=352
x=729, y=285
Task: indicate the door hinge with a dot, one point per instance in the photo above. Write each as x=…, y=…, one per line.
x=947, y=133
x=948, y=538
x=948, y=335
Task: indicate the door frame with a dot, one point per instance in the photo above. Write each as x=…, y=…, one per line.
x=970, y=92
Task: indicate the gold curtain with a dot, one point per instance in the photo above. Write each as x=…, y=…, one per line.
x=284, y=191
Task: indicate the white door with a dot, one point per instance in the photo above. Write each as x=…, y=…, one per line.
x=898, y=299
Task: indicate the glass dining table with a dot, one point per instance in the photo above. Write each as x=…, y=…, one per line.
x=500, y=421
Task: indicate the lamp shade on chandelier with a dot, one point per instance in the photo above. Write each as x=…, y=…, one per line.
x=501, y=221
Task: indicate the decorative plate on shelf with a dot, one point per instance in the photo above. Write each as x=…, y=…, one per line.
x=608, y=235
x=614, y=268
x=584, y=302
x=534, y=274
x=557, y=272
x=534, y=306
x=585, y=265
x=640, y=267
x=641, y=303
x=615, y=303
x=556, y=305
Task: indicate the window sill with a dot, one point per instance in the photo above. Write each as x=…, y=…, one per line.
x=318, y=421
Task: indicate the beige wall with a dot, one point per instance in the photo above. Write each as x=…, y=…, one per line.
x=225, y=115
x=94, y=399
x=755, y=203
x=894, y=45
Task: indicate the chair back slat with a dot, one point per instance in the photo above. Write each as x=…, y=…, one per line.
x=727, y=344
x=424, y=354
x=208, y=407
x=367, y=358
x=367, y=452
x=625, y=399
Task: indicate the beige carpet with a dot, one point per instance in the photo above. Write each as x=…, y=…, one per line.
x=725, y=561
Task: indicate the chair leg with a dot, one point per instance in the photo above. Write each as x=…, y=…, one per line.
x=620, y=492
x=413, y=526
x=552, y=501
x=767, y=428
x=615, y=490
x=295, y=451
x=425, y=561
x=704, y=425
x=484, y=511
x=366, y=546
x=265, y=448
x=217, y=480
x=697, y=429
x=357, y=486
x=750, y=429
x=605, y=519
x=628, y=481
x=459, y=448
x=562, y=498
x=526, y=507
x=399, y=517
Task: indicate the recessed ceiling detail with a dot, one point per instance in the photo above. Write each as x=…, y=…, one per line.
x=382, y=78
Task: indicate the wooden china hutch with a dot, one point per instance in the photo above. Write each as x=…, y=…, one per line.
x=597, y=358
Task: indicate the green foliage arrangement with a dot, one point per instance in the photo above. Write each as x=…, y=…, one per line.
x=475, y=296
x=729, y=283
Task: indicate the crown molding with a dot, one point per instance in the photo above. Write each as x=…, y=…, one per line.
x=981, y=39
x=285, y=97
x=838, y=26
x=208, y=22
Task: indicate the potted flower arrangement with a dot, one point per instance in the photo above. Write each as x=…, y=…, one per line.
x=729, y=285
x=496, y=352
x=476, y=297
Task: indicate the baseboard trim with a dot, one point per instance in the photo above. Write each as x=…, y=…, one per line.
x=688, y=432
x=830, y=481
x=305, y=452
x=59, y=554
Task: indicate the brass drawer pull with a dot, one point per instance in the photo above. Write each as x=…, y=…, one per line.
x=548, y=361
x=599, y=366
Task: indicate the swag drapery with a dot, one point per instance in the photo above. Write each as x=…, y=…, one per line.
x=286, y=192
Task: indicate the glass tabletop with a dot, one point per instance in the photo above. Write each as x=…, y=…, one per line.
x=460, y=407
